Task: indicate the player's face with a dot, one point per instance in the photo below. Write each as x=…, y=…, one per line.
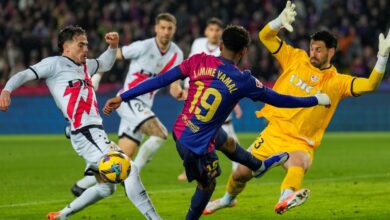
x=213, y=33
x=77, y=49
x=319, y=54
x=164, y=31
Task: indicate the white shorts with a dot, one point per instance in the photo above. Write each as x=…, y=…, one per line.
x=91, y=143
x=133, y=114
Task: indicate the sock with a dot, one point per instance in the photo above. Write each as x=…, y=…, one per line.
x=293, y=179
x=233, y=188
x=86, y=182
x=89, y=196
x=227, y=198
x=137, y=194
x=234, y=165
x=244, y=157
x=285, y=193
x=198, y=203
x=147, y=150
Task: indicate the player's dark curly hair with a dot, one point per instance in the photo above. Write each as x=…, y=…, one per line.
x=67, y=34
x=235, y=38
x=329, y=39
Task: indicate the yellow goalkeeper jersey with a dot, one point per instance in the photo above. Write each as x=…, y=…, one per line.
x=300, y=78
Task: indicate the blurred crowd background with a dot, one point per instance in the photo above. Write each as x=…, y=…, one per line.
x=28, y=28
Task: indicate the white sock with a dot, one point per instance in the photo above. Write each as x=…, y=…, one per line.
x=89, y=196
x=234, y=165
x=137, y=194
x=227, y=198
x=86, y=182
x=285, y=193
x=147, y=150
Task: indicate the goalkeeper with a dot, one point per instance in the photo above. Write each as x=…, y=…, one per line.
x=299, y=131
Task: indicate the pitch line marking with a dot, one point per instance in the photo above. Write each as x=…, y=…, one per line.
x=192, y=188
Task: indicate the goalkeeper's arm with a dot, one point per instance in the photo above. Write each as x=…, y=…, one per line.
x=362, y=85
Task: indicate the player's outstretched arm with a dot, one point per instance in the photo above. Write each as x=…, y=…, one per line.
x=107, y=58
x=5, y=100
x=13, y=83
x=365, y=85
x=144, y=87
x=268, y=35
x=286, y=101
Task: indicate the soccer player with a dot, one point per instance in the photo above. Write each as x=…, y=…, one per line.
x=69, y=80
x=299, y=131
x=210, y=46
x=149, y=58
x=216, y=85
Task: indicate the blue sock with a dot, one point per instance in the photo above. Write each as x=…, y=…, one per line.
x=198, y=203
x=244, y=157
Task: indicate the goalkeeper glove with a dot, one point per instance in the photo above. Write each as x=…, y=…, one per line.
x=384, y=45
x=383, y=52
x=285, y=19
x=323, y=99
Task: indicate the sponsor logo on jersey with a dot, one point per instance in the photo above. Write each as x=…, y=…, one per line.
x=298, y=82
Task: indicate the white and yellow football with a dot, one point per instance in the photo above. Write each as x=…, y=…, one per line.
x=114, y=167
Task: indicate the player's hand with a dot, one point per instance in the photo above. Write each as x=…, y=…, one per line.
x=287, y=16
x=112, y=38
x=5, y=100
x=384, y=45
x=112, y=104
x=323, y=99
x=183, y=95
x=238, y=111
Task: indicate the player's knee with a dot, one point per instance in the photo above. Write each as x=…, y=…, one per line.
x=229, y=146
x=299, y=160
x=242, y=175
x=209, y=186
x=106, y=189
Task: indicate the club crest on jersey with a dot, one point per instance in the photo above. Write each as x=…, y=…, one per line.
x=259, y=84
x=314, y=78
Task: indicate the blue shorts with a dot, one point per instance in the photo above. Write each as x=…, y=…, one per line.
x=202, y=168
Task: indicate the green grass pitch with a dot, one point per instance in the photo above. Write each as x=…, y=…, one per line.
x=349, y=179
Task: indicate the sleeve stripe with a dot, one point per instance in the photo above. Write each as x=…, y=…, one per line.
x=36, y=74
x=353, y=94
x=97, y=66
x=280, y=46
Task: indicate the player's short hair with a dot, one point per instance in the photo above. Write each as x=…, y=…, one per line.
x=329, y=39
x=165, y=17
x=235, y=38
x=67, y=34
x=214, y=21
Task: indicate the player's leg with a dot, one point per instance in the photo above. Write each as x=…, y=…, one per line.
x=137, y=194
x=236, y=153
x=236, y=184
x=229, y=129
x=129, y=135
x=204, y=169
x=237, y=181
x=91, y=144
x=81, y=185
x=291, y=193
x=157, y=136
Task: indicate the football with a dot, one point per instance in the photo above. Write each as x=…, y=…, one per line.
x=114, y=167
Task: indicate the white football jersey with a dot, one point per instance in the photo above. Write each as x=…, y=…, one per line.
x=70, y=84
x=148, y=61
x=201, y=45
